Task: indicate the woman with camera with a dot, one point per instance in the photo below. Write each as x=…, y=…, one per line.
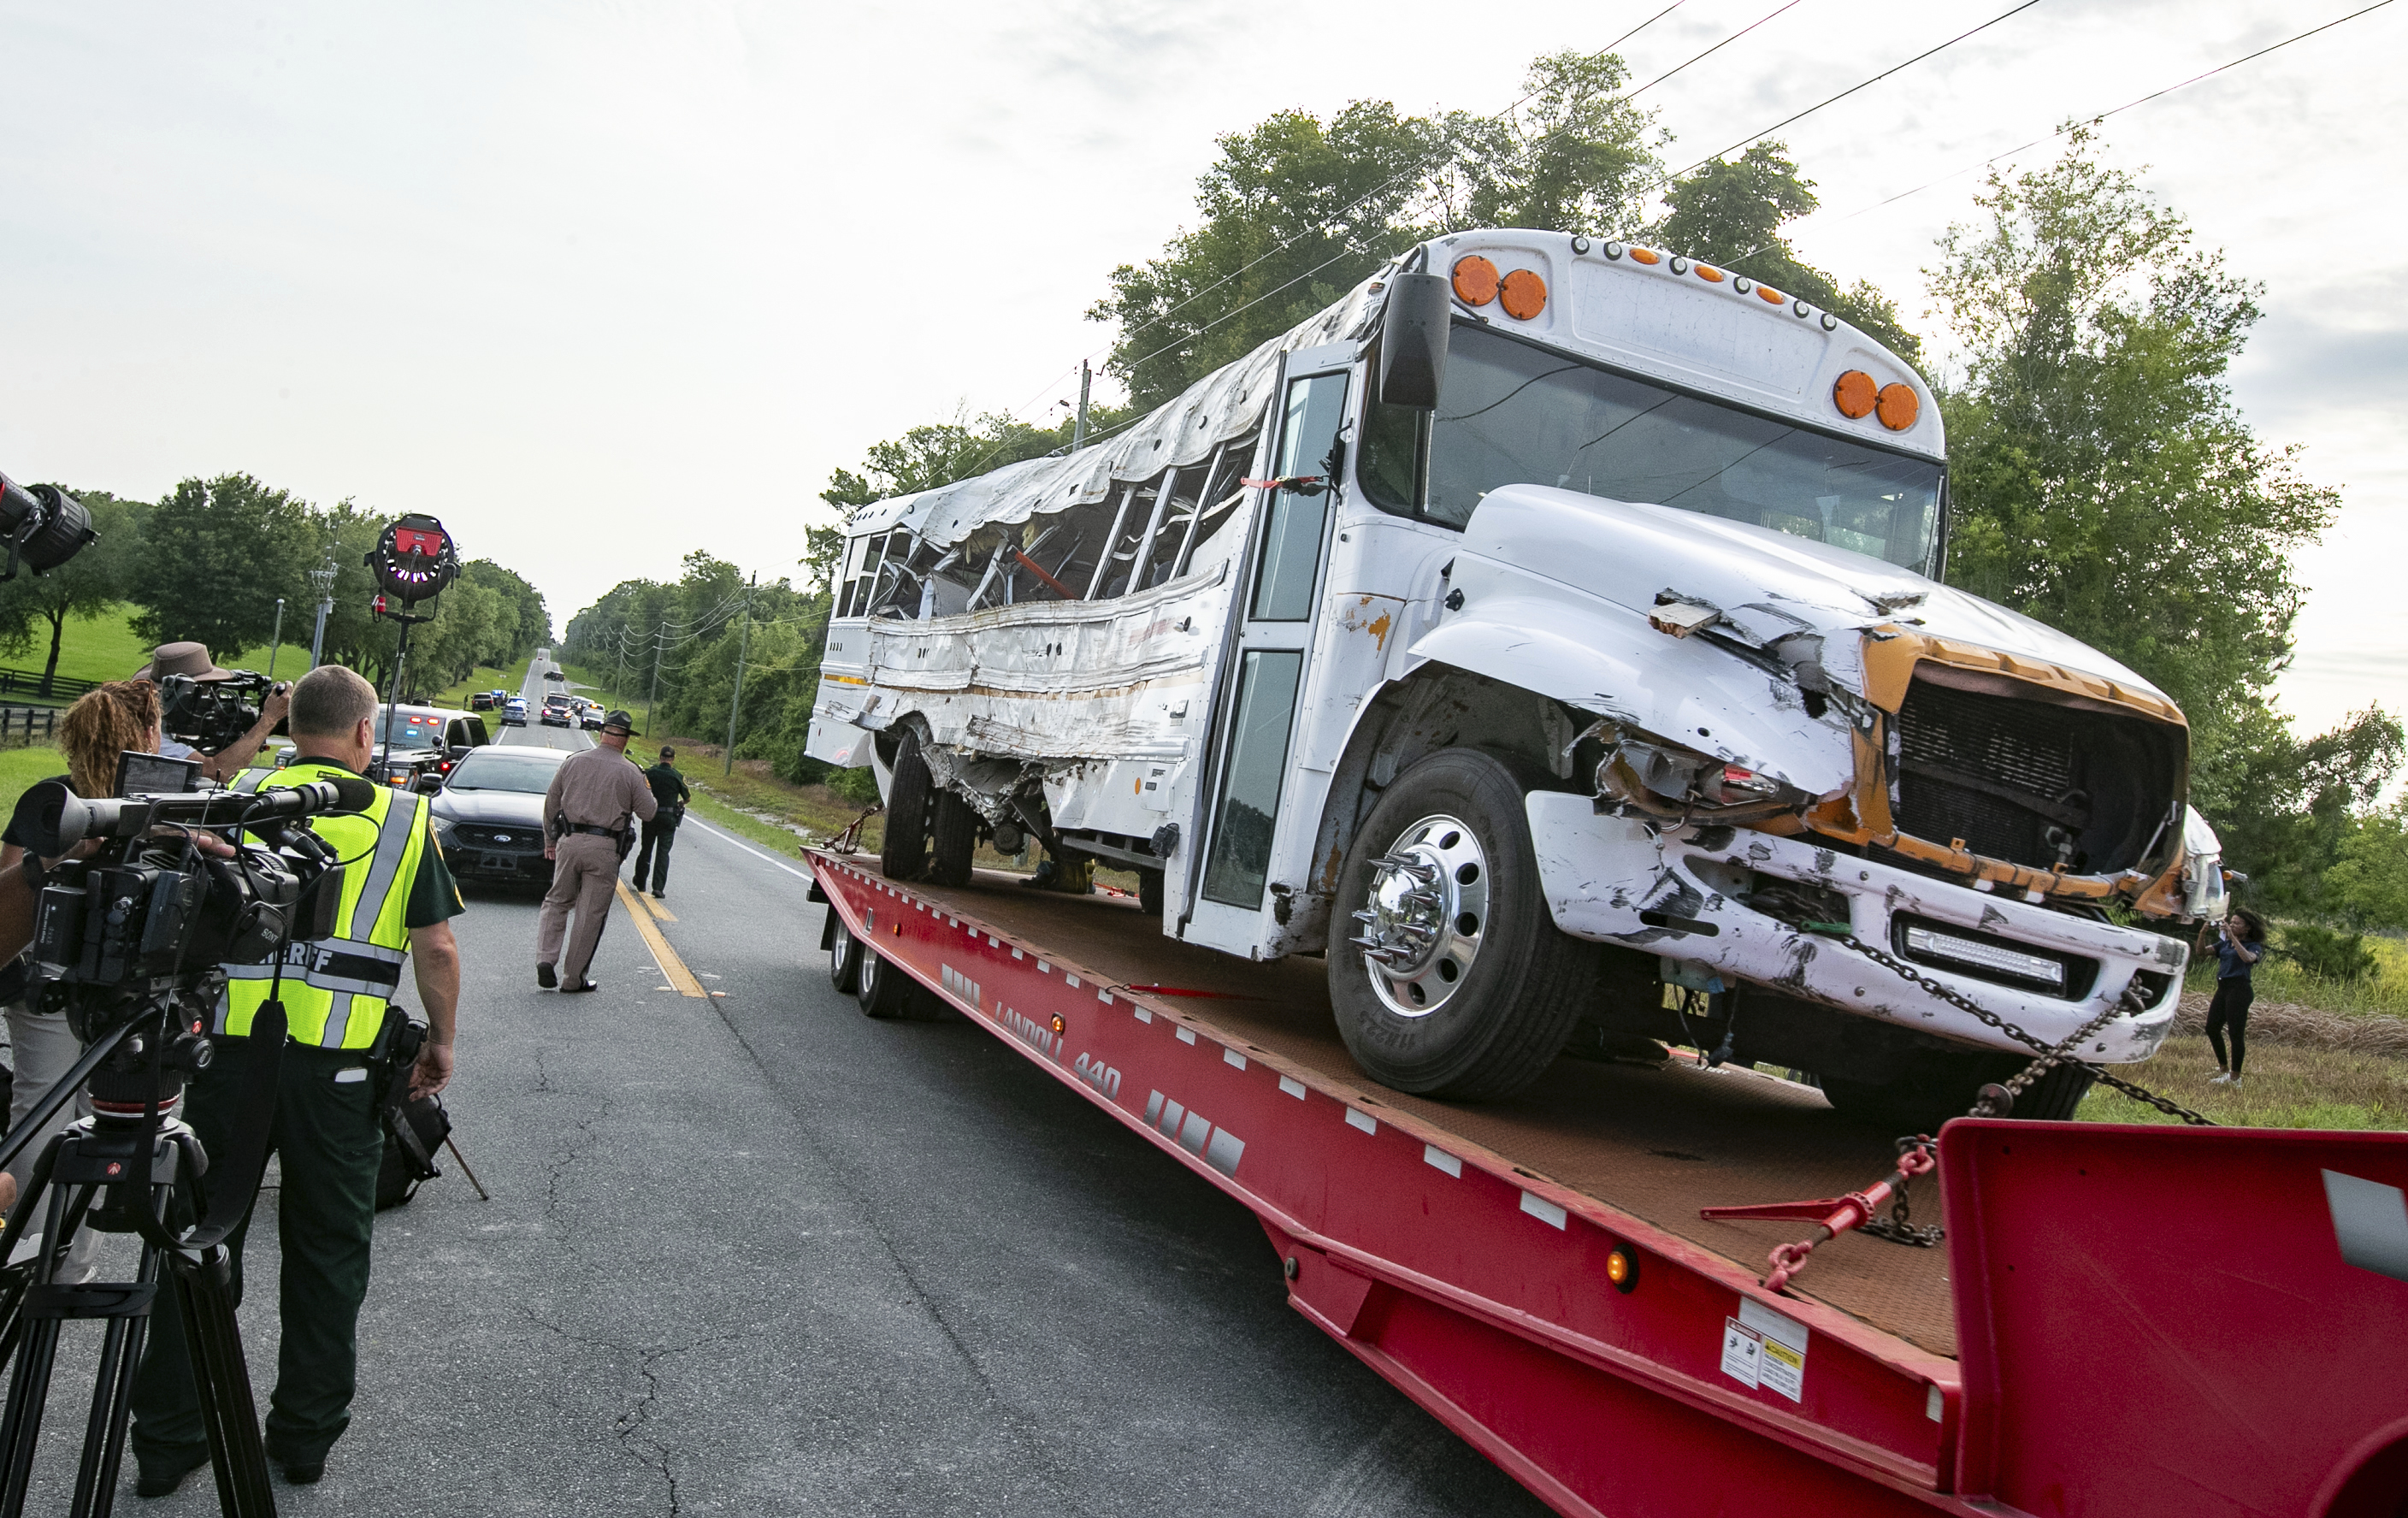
x=106, y=722
x=2239, y=943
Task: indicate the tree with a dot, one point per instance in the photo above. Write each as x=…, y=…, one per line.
x=216, y=555
x=1730, y=213
x=2104, y=484
x=84, y=586
x=2368, y=884
x=1296, y=210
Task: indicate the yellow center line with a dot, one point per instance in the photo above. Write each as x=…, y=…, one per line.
x=671, y=966
x=656, y=909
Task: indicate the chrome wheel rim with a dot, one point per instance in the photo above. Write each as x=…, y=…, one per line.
x=1422, y=927
x=839, y=949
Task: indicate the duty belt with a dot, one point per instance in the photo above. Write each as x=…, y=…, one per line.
x=598, y=832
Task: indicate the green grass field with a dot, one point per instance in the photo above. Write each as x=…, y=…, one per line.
x=105, y=648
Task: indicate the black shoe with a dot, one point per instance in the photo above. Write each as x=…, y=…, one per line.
x=305, y=1475
x=658, y=897
x=544, y=977
x=158, y=1481
x=579, y=986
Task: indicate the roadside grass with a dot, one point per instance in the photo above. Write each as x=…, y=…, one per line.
x=2384, y=993
x=2286, y=1086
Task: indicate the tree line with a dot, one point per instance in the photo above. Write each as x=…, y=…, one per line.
x=2103, y=479
x=209, y=561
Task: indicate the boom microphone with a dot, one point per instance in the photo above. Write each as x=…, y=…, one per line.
x=55, y=819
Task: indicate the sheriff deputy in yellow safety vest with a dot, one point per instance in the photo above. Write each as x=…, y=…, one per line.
x=398, y=899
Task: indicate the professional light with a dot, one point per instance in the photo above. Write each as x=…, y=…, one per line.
x=414, y=560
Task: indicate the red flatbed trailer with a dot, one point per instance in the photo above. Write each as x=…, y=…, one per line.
x=2122, y=1319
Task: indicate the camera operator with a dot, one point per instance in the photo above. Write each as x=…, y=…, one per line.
x=191, y=661
x=398, y=899
x=106, y=722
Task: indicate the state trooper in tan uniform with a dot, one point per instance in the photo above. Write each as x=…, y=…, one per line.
x=586, y=819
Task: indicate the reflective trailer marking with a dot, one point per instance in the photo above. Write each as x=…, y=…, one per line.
x=1543, y=1210
x=1440, y=1159
x=1290, y=1085
x=1183, y=1035
x=963, y=986
x=2369, y=1222
x=1071, y=980
x=1103, y=995
x=1364, y=1120
x=1192, y=1132
x=1231, y=1057
x=1044, y=968
x=1140, y=1013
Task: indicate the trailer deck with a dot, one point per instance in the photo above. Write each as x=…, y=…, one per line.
x=1469, y=1255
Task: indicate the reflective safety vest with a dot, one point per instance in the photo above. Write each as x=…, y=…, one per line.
x=335, y=991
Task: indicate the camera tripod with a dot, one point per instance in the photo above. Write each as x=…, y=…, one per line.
x=135, y=1167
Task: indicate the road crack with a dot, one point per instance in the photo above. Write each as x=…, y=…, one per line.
x=633, y=1427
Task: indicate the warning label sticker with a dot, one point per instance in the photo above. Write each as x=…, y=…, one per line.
x=1782, y=1369
x=1743, y=1352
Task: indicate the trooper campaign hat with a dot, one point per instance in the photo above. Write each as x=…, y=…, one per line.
x=618, y=721
x=191, y=659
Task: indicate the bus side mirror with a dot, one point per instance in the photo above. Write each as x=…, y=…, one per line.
x=1412, y=341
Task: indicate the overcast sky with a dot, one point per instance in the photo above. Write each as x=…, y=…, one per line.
x=603, y=283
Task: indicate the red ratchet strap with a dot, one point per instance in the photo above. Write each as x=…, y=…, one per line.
x=1832, y=1216
x=1283, y=482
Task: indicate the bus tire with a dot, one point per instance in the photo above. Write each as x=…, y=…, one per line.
x=904, y=853
x=844, y=955
x=885, y=992
x=1467, y=988
x=955, y=830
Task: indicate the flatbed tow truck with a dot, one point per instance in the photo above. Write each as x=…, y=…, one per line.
x=2120, y=1320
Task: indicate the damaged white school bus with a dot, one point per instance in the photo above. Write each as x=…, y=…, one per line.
x=1550, y=641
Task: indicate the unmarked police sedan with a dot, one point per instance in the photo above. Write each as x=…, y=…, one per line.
x=489, y=815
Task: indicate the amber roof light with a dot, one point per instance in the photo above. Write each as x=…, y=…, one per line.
x=1525, y=295
x=1897, y=406
x=1475, y=280
x=1855, y=395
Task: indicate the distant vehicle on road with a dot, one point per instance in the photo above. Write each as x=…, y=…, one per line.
x=514, y=711
x=426, y=742
x=554, y=674
x=482, y=701
x=590, y=716
x=556, y=712
x=489, y=815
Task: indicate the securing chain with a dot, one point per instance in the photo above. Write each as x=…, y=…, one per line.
x=849, y=839
x=2051, y=1056
x=1899, y=1228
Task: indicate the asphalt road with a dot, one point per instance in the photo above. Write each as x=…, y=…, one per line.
x=756, y=1253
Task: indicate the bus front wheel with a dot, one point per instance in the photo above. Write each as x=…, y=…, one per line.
x=1447, y=974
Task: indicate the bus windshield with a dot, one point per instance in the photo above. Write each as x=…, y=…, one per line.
x=1512, y=413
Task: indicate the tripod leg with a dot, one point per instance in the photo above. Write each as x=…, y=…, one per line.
x=112, y=1391
x=29, y=1385
x=205, y=1290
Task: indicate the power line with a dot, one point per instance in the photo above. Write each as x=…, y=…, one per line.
x=1851, y=89
x=2092, y=120
x=1709, y=53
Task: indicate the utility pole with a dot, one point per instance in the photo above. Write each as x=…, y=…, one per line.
x=322, y=582
x=276, y=639
x=1079, y=428
x=743, y=639
x=652, y=699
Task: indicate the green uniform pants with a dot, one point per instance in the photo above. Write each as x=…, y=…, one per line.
x=330, y=1143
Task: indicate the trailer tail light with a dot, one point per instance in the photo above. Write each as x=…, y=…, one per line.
x=1622, y=1268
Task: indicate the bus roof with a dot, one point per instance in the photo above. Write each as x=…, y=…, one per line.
x=1652, y=313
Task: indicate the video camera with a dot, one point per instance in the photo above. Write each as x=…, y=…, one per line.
x=44, y=526
x=149, y=918
x=209, y=714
